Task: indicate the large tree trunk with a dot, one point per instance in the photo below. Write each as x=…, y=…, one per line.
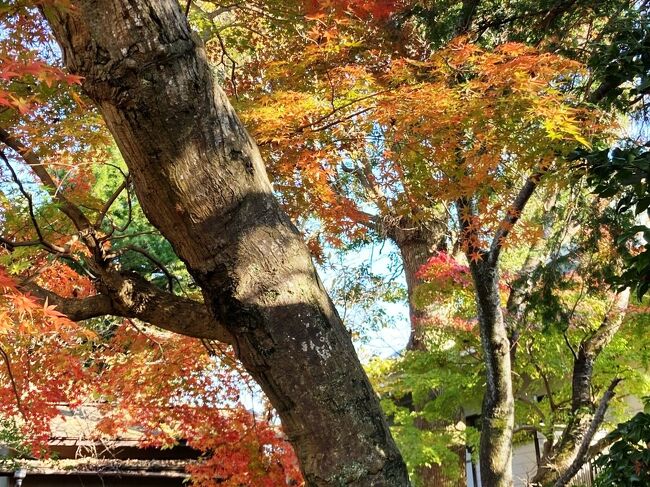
x=415, y=253
x=497, y=419
x=416, y=245
x=580, y=427
x=201, y=181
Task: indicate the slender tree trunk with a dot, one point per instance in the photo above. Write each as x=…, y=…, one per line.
x=497, y=420
x=201, y=181
x=583, y=408
x=415, y=250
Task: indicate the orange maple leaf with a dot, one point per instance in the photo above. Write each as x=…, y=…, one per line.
x=476, y=256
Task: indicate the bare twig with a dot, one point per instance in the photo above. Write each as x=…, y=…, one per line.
x=170, y=277
x=71, y=210
x=233, y=64
x=338, y=109
x=111, y=200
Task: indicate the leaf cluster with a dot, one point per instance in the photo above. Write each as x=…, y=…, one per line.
x=627, y=463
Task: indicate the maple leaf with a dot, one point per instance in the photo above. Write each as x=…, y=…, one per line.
x=23, y=105
x=476, y=256
x=6, y=281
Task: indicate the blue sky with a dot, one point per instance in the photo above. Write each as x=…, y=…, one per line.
x=392, y=338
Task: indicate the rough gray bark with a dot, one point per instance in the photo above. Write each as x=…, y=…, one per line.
x=414, y=255
x=201, y=182
x=498, y=412
x=584, y=418
x=497, y=415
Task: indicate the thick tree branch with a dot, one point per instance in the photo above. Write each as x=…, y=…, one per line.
x=573, y=446
x=611, y=323
x=131, y=296
x=77, y=309
x=592, y=346
x=597, y=420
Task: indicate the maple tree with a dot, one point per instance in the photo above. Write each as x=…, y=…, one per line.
x=555, y=294
x=61, y=220
x=416, y=137
x=169, y=386
x=365, y=123
x=371, y=139
x=328, y=77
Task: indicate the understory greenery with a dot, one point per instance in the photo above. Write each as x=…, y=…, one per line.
x=627, y=463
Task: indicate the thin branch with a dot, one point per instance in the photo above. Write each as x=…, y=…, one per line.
x=513, y=216
x=534, y=406
x=72, y=211
x=568, y=344
x=334, y=122
x=599, y=446
x=526, y=427
x=339, y=108
x=547, y=385
x=129, y=218
x=11, y=244
x=111, y=200
x=134, y=234
x=215, y=13
x=467, y=13
x=468, y=232
x=12, y=379
x=233, y=64
x=170, y=277
x=30, y=206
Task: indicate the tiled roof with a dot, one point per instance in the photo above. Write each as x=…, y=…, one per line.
x=78, y=426
x=158, y=468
